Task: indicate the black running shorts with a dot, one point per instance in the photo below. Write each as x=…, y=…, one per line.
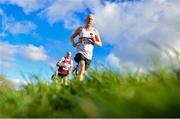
x=80, y=57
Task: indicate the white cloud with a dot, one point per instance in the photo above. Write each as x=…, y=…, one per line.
x=31, y=52
x=21, y=28
x=18, y=83
x=64, y=11
x=9, y=25
x=7, y=53
x=130, y=26
x=34, y=53
x=117, y=63
x=113, y=60
x=4, y=20
x=27, y=6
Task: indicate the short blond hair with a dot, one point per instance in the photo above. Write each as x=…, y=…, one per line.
x=91, y=15
x=68, y=53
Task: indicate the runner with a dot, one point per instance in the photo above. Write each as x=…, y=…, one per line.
x=88, y=37
x=65, y=66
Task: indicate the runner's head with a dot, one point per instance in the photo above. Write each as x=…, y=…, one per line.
x=68, y=55
x=89, y=19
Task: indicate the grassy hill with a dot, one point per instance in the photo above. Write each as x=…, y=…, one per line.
x=104, y=93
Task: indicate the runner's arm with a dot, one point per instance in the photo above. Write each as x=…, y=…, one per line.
x=59, y=63
x=97, y=40
x=71, y=67
x=77, y=32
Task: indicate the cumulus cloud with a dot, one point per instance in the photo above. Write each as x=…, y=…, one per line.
x=3, y=23
x=130, y=26
x=113, y=60
x=31, y=52
x=18, y=83
x=117, y=63
x=64, y=11
x=7, y=53
x=10, y=25
x=34, y=53
x=21, y=27
x=27, y=6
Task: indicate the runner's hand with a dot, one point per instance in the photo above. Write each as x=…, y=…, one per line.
x=93, y=40
x=75, y=44
x=69, y=72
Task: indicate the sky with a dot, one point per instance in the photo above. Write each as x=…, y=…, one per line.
x=35, y=34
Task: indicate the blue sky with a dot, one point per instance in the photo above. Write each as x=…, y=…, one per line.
x=35, y=34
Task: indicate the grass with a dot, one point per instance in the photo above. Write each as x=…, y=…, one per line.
x=104, y=93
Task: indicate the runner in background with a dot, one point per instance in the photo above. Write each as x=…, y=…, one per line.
x=64, y=68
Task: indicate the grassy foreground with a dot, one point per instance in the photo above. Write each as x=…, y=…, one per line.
x=105, y=93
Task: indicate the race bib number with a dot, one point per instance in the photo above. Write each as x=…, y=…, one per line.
x=85, y=42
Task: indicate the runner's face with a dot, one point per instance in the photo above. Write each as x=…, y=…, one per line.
x=89, y=20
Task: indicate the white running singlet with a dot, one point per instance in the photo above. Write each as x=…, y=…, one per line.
x=86, y=47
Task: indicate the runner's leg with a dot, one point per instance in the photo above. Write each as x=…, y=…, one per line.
x=82, y=70
x=65, y=80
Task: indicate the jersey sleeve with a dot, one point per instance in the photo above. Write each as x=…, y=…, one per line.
x=62, y=59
